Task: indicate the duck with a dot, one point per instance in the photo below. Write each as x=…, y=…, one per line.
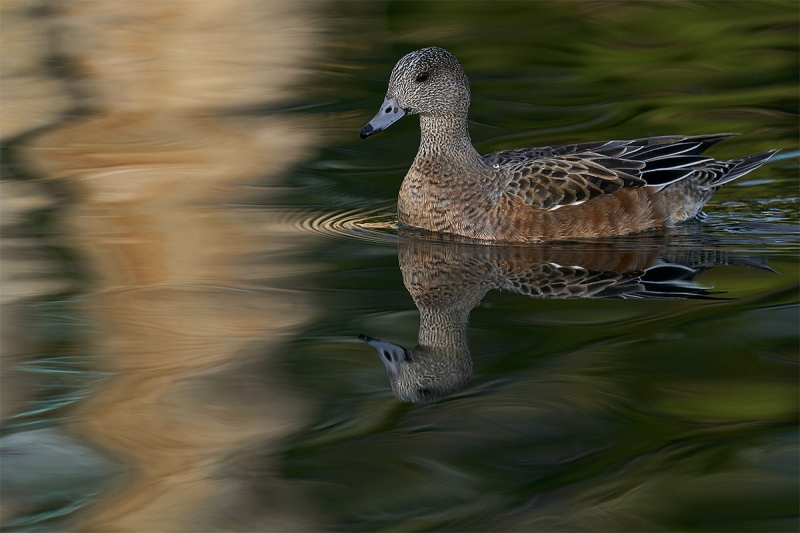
x=553, y=193
x=447, y=279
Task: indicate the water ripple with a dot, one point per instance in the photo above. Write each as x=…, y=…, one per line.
x=376, y=224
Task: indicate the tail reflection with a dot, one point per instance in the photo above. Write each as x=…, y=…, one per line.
x=447, y=280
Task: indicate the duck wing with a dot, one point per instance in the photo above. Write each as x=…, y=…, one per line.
x=553, y=182
x=554, y=176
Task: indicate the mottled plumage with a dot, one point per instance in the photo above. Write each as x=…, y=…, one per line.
x=595, y=189
x=447, y=280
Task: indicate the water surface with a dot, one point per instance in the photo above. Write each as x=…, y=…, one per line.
x=194, y=237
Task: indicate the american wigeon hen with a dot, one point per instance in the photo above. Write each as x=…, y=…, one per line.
x=589, y=190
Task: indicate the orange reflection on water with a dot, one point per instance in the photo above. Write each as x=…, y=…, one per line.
x=183, y=321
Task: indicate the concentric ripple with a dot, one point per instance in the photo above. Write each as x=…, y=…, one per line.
x=377, y=224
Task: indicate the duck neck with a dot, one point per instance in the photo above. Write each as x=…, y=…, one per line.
x=444, y=328
x=448, y=136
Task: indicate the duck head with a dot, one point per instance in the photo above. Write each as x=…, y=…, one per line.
x=429, y=81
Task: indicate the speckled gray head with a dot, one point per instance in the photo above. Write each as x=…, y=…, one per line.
x=429, y=81
x=423, y=374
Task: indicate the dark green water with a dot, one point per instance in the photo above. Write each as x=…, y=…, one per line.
x=582, y=414
x=658, y=403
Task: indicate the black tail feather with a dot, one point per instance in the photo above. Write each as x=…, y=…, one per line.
x=741, y=166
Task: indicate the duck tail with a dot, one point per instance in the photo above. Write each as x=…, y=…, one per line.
x=728, y=171
x=684, y=198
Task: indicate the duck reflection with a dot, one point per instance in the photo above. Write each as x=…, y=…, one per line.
x=448, y=279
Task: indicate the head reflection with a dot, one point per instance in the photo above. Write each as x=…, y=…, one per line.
x=424, y=374
x=447, y=280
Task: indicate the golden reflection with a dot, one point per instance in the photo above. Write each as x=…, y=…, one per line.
x=155, y=168
x=30, y=97
x=448, y=279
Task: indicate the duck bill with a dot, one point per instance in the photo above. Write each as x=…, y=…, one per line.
x=392, y=355
x=390, y=113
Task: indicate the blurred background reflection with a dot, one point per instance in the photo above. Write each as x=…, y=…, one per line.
x=131, y=108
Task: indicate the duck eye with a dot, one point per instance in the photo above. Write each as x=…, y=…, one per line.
x=422, y=76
